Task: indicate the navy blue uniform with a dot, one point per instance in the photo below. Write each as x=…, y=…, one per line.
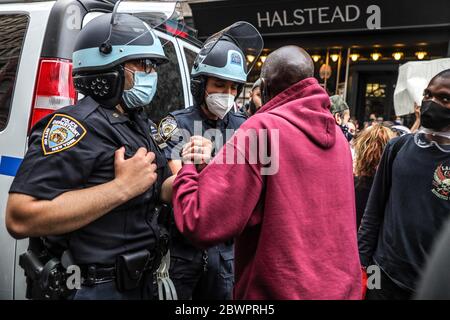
x=199, y=274
x=74, y=149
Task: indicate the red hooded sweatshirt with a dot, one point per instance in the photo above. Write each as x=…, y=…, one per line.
x=293, y=217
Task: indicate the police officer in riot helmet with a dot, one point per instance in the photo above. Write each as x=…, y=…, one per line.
x=217, y=78
x=92, y=180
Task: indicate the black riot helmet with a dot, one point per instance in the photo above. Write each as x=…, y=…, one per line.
x=102, y=47
x=224, y=56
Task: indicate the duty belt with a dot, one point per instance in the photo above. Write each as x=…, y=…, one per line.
x=95, y=274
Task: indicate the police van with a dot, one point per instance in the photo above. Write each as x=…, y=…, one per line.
x=36, y=43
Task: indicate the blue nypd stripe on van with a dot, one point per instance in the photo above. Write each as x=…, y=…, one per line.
x=9, y=165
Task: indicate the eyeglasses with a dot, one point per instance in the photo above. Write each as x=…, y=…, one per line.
x=148, y=65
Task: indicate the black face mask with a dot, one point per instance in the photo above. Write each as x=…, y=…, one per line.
x=434, y=116
x=346, y=132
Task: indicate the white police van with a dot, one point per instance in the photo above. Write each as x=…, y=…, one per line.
x=36, y=43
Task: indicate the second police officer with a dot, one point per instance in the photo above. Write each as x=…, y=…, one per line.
x=217, y=78
x=92, y=177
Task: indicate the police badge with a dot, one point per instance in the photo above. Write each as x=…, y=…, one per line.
x=167, y=128
x=62, y=132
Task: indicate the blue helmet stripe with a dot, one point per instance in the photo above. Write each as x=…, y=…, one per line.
x=92, y=57
x=227, y=73
x=233, y=71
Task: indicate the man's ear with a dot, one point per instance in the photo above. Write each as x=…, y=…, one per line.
x=337, y=118
x=264, y=91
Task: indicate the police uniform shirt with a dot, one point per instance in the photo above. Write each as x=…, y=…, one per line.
x=177, y=128
x=74, y=149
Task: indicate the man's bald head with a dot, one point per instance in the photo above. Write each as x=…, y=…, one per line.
x=285, y=67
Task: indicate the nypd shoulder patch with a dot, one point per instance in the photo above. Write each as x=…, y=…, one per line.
x=167, y=128
x=61, y=133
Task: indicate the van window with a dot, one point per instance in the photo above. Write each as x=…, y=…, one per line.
x=12, y=33
x=169, y=95
x=190, y=57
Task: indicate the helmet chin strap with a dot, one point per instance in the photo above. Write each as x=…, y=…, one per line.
x=120, y=108
x=208, y=113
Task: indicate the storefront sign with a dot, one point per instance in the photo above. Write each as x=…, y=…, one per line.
x=285, y=17
x=320, y=16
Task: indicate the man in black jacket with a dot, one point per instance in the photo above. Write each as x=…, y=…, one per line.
x=410, y=198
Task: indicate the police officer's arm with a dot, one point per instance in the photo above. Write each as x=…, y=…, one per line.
x=167, y=188
x=209, y=207
x=27, y=216
x=175, y=166
x=198, y=151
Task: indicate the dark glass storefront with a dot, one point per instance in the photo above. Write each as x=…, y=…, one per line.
x=357, y=45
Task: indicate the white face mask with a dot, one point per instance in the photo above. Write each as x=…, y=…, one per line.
x=219, y=103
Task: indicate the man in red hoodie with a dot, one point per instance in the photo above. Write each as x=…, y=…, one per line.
x=295, y=227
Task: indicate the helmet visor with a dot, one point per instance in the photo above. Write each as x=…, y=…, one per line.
x=245, y=36
x=163, y=15
x=154, y=13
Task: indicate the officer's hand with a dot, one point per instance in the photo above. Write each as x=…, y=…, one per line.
x=136, y=174
x=198, y=151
